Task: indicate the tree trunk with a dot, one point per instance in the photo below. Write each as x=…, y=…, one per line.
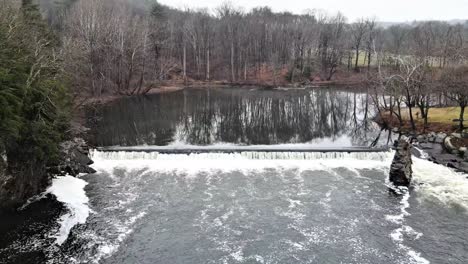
x=357, y=59
x=185, y=63
x=369, y=57
x=208, y=65
x=462, y=114
x=245, y=70
x=400, y=118
x=233, y=77
x=410, y=110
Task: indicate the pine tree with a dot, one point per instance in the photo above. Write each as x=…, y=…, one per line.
x=34, y=100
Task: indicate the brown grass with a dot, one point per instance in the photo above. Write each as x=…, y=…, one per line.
x=440, y=120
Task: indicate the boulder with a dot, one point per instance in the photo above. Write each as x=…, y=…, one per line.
x=431, y=137
x=422, y=139
x=401, y=171
x=462, y=150
x=440, y=138
x=426, y=146
x=465, y=133
x=74, y=159
x=449, y=146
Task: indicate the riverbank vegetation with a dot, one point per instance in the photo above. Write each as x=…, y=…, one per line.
x=414, y=93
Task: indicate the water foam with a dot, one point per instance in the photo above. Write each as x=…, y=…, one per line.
x=245, y=161
x=257, y=155
x=108, y=248
x=399, y=233
x=192, y=163
x=70, y=191
x=436, y=181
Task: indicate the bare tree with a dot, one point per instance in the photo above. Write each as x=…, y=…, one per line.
x=331, y=44
x=455, y=80
x=129, y=47
x=371, y=33
x=358, y=31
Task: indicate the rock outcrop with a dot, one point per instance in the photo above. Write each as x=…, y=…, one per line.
x=19, y=182
x=431, y=138
x=74, y=159
x=401, y=169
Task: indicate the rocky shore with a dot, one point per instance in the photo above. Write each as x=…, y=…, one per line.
x=74, y=160
x=16, y=188
x=446, y=149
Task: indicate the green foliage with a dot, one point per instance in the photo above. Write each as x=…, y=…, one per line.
x=34, y=112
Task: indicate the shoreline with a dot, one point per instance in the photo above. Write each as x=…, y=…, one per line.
x=174, y=87
x=434, y=141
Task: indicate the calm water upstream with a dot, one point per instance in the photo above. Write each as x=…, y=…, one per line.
x=319, y=117
x=242, y=207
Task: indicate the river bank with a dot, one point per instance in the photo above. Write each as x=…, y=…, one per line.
x=342, y=79
x=451, y=152
x=439, y=140
x=16, y=190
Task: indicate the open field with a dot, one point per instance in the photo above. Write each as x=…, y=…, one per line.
x=440, y=120
x=444, y=115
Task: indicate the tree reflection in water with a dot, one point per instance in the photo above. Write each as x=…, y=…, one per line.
x=323, y=117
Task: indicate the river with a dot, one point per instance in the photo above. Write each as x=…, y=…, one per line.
x=249, y=207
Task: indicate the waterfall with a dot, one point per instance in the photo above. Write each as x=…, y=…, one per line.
x=245, y=155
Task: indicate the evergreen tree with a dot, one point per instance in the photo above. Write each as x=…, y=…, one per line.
x=34, y=100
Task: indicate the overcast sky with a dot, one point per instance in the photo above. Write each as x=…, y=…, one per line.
x=384, y=10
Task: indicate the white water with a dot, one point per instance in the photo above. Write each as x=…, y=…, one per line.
x=430, y=181
x=436, y=181
x=70, y=191
x=246, y=161
x=284, y=155
x=405, y=230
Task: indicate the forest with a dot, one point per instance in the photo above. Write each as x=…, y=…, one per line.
x=130, y=46
x=56, y=55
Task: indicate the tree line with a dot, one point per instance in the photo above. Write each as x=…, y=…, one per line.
x=131, y=46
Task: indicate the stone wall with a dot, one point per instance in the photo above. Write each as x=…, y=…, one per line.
x=401, y=171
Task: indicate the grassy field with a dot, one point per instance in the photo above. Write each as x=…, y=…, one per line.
x=362, y=56
x=444, y=115
x=440, y=120
x=362, y=62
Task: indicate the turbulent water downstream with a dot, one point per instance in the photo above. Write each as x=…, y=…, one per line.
x=249, y=207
